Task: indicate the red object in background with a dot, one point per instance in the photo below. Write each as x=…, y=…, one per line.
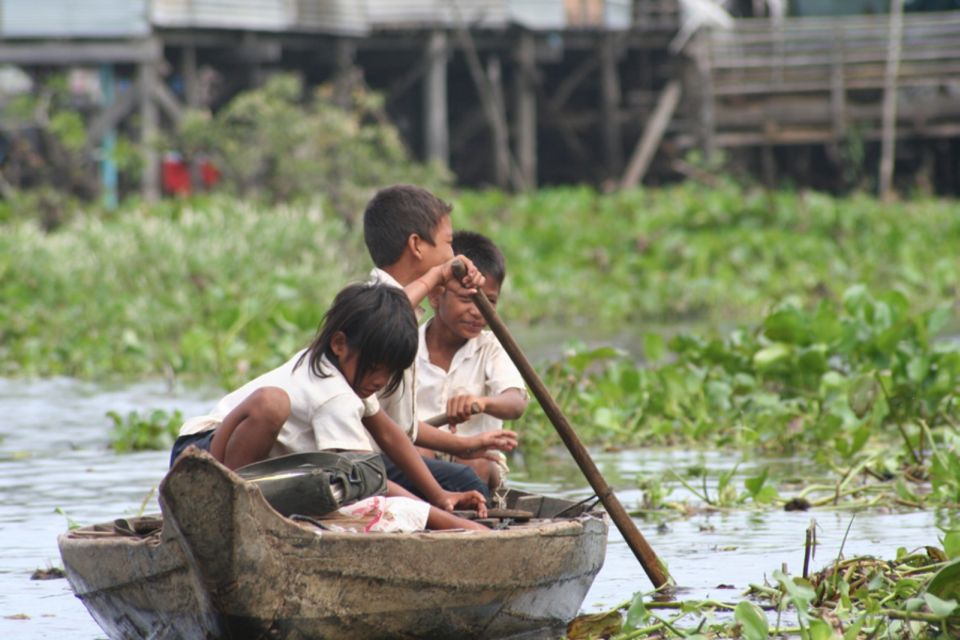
x=209, y=174
x=176, y=174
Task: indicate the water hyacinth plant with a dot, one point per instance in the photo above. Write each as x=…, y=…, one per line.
x=843, y=380
x=211, y=287
x=914, y=595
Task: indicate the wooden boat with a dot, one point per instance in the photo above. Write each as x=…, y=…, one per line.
x=221, y=563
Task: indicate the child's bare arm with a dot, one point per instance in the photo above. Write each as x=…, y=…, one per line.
x=508, y=405
x=465, y=447
x=397, y=445
x=439, y=519
x=441, y=274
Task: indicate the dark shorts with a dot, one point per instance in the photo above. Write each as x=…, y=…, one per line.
x=452, y=476
x=200, y=440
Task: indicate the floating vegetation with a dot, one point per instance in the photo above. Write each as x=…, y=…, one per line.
x=137, y=431
x=915, y=595
x=50, y=573
x=217, y=288
x=862, y=385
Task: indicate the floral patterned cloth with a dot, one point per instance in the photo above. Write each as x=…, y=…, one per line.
x=383, y=514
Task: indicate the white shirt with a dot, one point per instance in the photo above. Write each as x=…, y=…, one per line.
x=480, y=367
x=401, y=405
x=325, y=412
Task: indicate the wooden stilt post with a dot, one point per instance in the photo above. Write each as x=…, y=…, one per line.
x=610, y=101
x=490, y=90
x=768, y=163
x=525, y=109
x=191, y=82
x=108, y=146
x=436, y=125
x=344, y=60
x=702, y=78
x=149, y=127
x=888, y=142
x=501, y=135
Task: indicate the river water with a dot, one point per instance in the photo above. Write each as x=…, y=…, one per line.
x=55, y=466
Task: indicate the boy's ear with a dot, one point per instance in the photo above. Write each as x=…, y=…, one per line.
x=413, y=244
x=434, y=296
x=338, y=344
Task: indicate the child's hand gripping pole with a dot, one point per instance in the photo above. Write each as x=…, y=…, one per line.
x=442, y=419
x=635, y=540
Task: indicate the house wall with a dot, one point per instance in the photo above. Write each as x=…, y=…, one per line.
x=70, y=18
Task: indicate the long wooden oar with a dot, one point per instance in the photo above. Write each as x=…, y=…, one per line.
x=635, y=540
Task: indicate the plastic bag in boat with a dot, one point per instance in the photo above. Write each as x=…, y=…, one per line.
x=317, y=482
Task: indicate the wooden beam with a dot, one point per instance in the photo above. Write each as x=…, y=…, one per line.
x=573, y=80
x=652, y=135
x=704, y=79
x=119, y=108
x=149, y=129
x=469, y=126
x=188, y=71
x=345, y=57
x=108, y=145
x=491, y=98
x=70, y=53
x=399, y=87
x=501, y=136
x=838, y=89
x=168, y=102
x=525, y=108
x=436, y=124
x=610, y=105
x=888, y=142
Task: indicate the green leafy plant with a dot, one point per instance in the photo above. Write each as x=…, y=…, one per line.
x=155, y=430
x=279, y=143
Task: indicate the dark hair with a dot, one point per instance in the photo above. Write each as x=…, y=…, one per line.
x=486, y=257
x=396, y=212
x=378, y=322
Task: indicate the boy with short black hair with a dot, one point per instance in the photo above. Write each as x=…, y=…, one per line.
x=409, y=235
x=462, y=370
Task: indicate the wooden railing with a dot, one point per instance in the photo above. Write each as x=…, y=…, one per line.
x=809, y=80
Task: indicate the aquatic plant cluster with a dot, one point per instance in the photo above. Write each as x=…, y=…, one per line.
x=844, y=380
x=581, y=258
x=912, y=596
x=213, y=288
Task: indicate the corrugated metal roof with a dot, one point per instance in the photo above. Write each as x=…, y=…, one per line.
x=73, y=19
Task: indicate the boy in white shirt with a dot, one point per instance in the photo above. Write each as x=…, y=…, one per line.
x=461, y=368
x=409, y=234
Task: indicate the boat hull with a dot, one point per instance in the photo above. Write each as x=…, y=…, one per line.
x=225, y=565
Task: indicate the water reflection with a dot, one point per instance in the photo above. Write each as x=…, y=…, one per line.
x=54, y=455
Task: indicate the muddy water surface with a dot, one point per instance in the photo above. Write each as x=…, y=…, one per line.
x=54, y=456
